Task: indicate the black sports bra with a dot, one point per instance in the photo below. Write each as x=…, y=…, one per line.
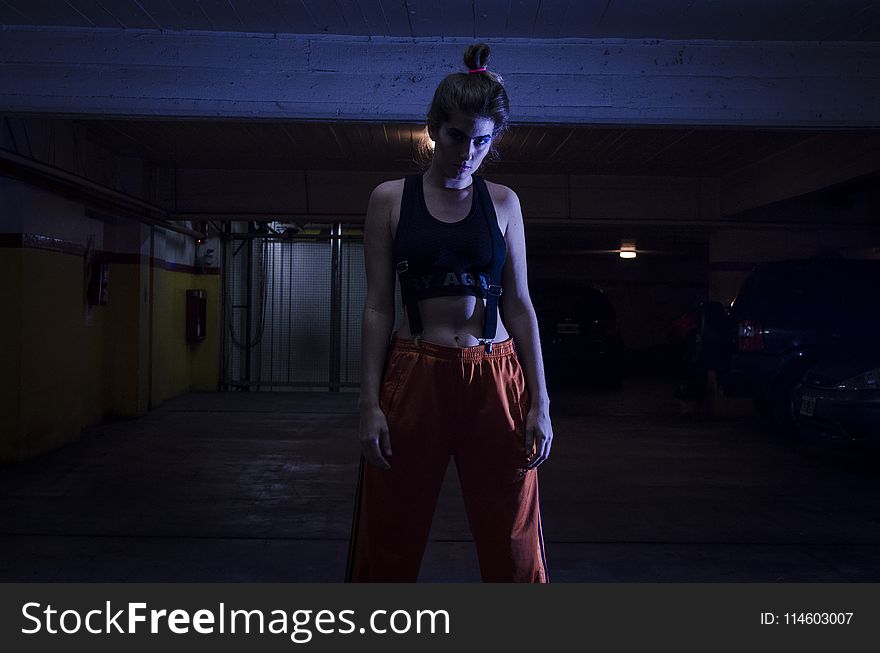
x=435, y=258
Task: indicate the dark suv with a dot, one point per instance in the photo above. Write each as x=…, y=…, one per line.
x=790, y=314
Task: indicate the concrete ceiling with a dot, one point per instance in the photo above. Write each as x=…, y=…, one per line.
x=278, y=144
x=747, y=20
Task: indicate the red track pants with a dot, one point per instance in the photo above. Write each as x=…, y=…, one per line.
x=443, y=402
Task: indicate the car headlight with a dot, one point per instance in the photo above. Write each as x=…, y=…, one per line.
x=865, y=381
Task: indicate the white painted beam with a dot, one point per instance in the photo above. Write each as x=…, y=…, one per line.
x=569, y=81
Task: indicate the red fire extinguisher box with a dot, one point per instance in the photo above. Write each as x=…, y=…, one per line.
x=196, y=302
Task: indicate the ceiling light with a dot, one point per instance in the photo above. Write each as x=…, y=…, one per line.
x=628, y=249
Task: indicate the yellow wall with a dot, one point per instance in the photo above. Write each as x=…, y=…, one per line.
x=65, y=365
x=10, y=353
x=121, y=344
x=56, y=392
x=178, y=366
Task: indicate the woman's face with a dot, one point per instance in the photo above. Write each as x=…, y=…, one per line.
x=461, y=143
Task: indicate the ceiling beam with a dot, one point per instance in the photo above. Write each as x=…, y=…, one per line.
x=816, y=163
x=108, y=72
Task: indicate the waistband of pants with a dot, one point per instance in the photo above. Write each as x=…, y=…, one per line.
x=472, y=353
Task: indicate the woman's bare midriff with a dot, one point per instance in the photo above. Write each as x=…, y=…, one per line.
x=454, y=321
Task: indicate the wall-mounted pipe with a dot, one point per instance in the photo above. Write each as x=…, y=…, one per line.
x=79, y=188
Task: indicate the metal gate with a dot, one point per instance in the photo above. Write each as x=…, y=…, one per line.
x=292, y=308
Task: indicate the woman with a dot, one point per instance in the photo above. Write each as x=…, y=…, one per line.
x=451, y=384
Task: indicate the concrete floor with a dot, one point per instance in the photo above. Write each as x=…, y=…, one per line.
x=260, y=487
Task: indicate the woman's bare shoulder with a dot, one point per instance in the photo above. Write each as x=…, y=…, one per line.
x=506, y=204
x=501, y=194
x=385, y=205
x=389, y=190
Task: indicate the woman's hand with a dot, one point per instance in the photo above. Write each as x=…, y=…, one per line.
x=374, y=437
x=539, y=434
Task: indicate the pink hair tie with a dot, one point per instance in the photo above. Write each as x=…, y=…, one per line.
x=478, y=70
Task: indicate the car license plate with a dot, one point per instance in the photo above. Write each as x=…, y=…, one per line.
x=568, y=327
x=808, y=405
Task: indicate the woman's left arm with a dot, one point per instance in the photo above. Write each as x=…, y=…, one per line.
x=522, y=324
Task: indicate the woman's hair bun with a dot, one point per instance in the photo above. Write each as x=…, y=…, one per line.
x=476, y=56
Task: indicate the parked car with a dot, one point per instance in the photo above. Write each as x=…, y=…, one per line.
x=790, y=314
x=580, y=334
x=839, y=400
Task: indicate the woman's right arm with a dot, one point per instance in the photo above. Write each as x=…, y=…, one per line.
x=378, y=320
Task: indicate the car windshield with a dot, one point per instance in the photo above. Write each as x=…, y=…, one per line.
x=778, y=292
x=813, y=292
